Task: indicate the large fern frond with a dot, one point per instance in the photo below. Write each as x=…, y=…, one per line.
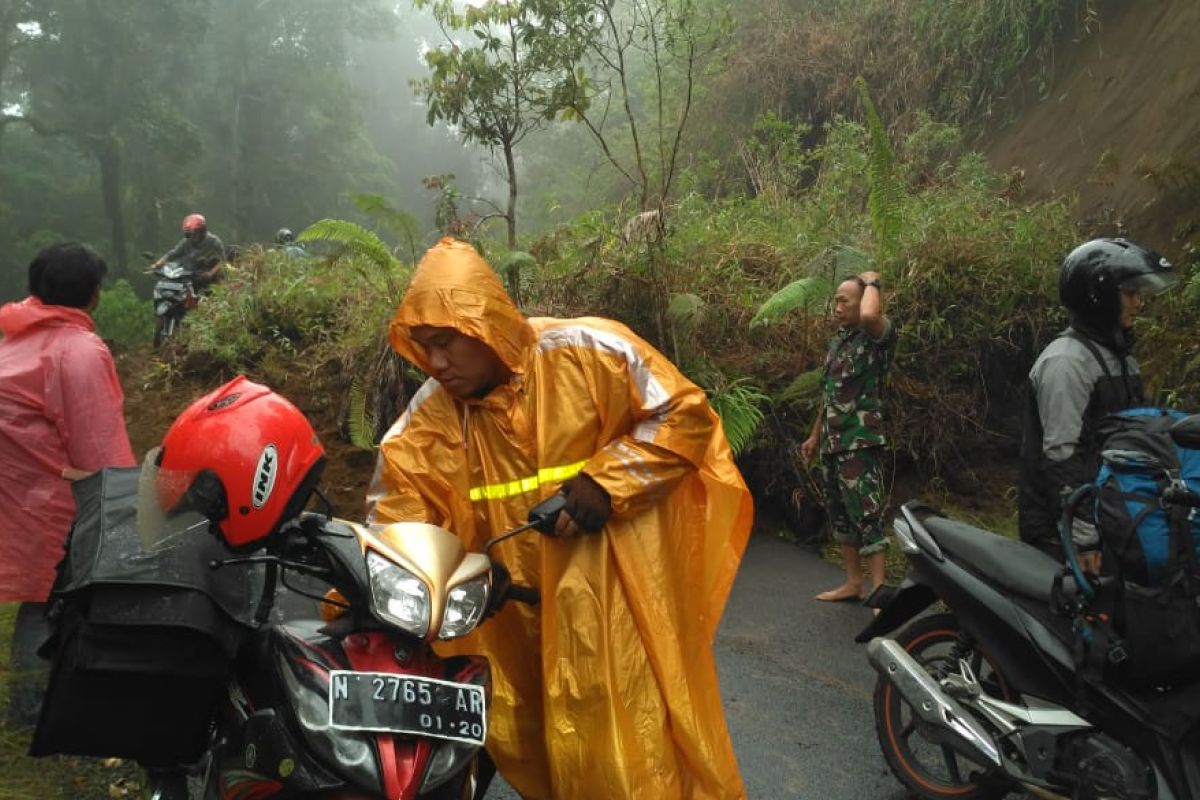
x=360, y=422
x=351, y=238
x=886, y=191
x=809, y=293
x=403, y=224
x=739, y=405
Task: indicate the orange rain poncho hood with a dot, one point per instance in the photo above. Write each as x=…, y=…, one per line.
x=608, y=689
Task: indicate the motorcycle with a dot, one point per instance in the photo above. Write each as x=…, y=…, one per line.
x=359, y=705
x=174, y=295
x=992, y=696
x=173, y=650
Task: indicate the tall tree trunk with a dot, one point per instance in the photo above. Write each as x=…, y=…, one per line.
x=108, y=154
x=510, y=164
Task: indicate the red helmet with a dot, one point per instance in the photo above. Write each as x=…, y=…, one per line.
x=244, y=457
x=194, y=222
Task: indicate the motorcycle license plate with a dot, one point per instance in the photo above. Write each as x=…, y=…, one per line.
x=380, y=701
x=171, y=286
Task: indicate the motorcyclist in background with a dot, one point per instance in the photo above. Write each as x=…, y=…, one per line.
x=199, y=251
x=286, y=240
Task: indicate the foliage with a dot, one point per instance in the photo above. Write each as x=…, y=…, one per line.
x=1168, y=348
x=739, y=404
x=401, y=223
x=364, y=248
x=886, y=192
x=810, y=292
x=973, y=293
x=602, y=47
x=496, y=91
x=361, y=421
x=516, y=267
x=275, y=307
x=123, y=317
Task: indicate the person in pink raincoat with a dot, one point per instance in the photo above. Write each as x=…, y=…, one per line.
x=61, y=418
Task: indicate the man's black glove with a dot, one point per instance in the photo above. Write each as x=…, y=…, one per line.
x=588, y=507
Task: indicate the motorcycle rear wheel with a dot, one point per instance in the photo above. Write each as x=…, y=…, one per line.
x=926, y=769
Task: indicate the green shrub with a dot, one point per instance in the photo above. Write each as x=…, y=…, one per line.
x=123, y=317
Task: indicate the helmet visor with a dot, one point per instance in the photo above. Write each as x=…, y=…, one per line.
x=162, y=516
x=1150, y=283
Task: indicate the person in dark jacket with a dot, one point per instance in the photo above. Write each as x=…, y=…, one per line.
x=1085, y=374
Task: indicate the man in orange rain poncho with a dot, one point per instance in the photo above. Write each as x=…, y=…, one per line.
x=608, y=689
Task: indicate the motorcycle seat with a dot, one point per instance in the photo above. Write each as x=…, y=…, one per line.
x=1012, y=564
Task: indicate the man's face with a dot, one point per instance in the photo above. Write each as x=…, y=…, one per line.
x=466, y=367
x=1131, y=304
x=846, y=304
x=195, y=236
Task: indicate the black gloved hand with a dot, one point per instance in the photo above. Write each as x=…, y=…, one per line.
x=588, y=507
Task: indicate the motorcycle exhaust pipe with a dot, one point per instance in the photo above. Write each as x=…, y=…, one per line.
x=963, y=733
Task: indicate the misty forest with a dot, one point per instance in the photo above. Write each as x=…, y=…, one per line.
x=705, y=171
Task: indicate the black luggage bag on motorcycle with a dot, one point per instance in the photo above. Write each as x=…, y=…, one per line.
x=144, y=636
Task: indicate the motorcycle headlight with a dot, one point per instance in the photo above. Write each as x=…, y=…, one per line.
x=399, y=596
x=464, y=608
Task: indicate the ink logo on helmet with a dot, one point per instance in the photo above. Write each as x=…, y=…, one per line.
x=264, y=476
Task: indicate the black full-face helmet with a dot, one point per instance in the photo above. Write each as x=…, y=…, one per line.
x=1095, y=273
x=284, y=236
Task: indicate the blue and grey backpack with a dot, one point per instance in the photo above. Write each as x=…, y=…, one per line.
x=1152, y=548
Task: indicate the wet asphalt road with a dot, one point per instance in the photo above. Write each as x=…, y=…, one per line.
x=797, y=688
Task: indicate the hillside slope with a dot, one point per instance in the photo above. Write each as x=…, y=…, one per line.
x=1120, y=124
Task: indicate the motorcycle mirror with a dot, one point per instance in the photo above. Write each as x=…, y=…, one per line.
x=1186, y=432
x=544, y=515
x=146, y=254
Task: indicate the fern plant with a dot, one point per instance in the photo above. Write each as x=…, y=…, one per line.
x=886, y=195
x=808, y=293
x=353, y=240
x=361, y=420
x=739, y=404
x=399, y=222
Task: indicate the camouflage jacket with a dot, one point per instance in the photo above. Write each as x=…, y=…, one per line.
x=852, y=389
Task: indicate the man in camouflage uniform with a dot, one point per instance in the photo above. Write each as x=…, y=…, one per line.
x=849, y=430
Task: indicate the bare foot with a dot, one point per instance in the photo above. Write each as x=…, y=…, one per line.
x=842, y=593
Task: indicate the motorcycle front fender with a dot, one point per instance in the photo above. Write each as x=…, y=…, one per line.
x=906, y=601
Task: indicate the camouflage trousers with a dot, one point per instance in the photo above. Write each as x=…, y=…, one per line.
x=854, y=498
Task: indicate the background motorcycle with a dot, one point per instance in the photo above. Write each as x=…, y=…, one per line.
x=986, y=698
x=174, y=295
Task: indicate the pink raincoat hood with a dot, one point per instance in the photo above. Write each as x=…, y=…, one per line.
x=18, y=318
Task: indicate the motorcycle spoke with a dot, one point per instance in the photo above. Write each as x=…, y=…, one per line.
x=908, y=729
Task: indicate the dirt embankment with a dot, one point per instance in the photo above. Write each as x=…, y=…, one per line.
x=153, y=398
x=1120, y=124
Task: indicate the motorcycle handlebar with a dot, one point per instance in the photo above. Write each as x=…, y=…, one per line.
x=524, y=594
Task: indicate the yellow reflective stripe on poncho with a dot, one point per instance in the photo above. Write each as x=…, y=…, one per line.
x=499, y=491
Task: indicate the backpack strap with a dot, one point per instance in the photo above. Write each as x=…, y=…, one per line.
x=1103, y=362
